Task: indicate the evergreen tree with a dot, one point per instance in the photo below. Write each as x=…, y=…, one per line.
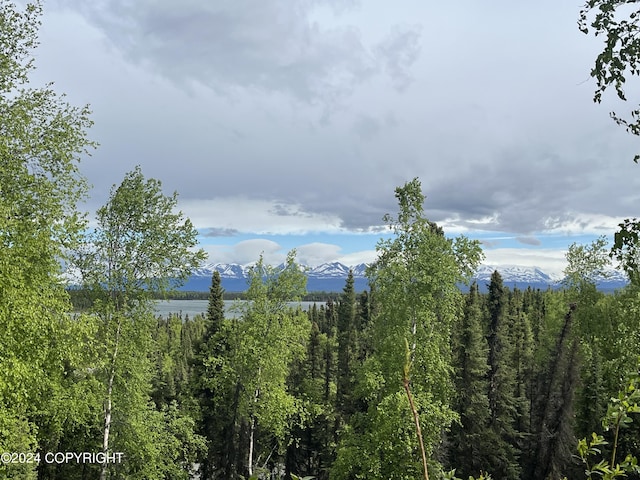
x=347, y=349
x=309, y=449
x=327, y=327
x=215, y=308
x=501, y=376
x=521, y=337
x=365, y=327
x=469, y=440
x=553, y=409
x=216, y=390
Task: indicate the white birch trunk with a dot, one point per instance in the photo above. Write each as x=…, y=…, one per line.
x=107, y=407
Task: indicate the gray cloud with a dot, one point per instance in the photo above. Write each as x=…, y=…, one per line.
x=223, y=99
x=529, y=241
x=219, y=232
x=366, y=127
x=398, y=52
x=489, y=243
x=270, y=45
x=284, y=210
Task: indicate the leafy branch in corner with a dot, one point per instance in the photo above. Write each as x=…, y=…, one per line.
x=618, y=416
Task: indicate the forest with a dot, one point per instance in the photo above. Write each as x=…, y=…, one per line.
x=409, y=379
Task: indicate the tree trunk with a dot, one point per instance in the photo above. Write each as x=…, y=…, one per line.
x=107, y=407
x=252, y=428
x=416, y=420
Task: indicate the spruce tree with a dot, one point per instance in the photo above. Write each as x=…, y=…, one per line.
x=215, y=308
x=347, y=350
x=327, y=326
x=553, y=415
x=469, y=443
x=216, y=389
x=521, y=339
x=504, y=462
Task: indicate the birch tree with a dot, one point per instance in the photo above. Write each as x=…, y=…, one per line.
x=271, y=336
x=42, y=139
x=140, y=247
x=417, y=298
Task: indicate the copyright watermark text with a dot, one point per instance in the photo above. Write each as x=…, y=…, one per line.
x=9, y=458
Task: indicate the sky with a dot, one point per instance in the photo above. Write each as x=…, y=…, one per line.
x=288, y=124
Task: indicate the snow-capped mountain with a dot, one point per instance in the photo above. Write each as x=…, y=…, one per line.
x=226, y=270
x=515, y=274
x=330, y=277
x=611, y=279
x=336, y=270
x=522, y=277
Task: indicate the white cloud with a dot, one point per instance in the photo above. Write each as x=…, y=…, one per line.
x=246, y=252
x=257, y=216
x=313, y=254
x=317, y=253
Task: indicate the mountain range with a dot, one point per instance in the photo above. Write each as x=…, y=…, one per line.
x=330, y=277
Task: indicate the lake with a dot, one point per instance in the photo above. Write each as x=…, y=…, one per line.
x=195, y=307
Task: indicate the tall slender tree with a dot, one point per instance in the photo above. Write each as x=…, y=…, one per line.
x=42, y=139
x=215, y=308
x=347, y=348
x=501, y=376
x=140, y=247
x=470, y=440
x=555, y=440
x=216, y=391
x=416, y=300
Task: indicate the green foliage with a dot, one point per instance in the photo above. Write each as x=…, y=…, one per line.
x=618, y=416
x=246, y=379
x=41, y=140
x=272, y=336
x=501, y=382
x=140, y=247
x=626, y=249
x=451, y=475
x=417, y=300
x=469, y=438
x=616, y=21
x=347, y=348
x=215, y=308
x=141, y=244
x=585, y=263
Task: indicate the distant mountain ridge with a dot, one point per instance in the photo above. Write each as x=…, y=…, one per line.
x=330, y=277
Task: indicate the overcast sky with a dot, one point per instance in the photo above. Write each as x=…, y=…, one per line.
x=288, y=123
